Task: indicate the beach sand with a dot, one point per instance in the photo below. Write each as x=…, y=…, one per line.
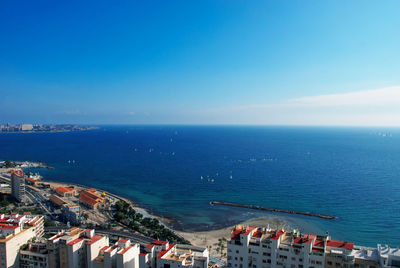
x=212, y=238
x=209, y=239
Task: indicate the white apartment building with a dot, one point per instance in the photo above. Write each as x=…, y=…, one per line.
x=15, y=231
x=18, y=184
x=121, y=255
x=264, y=248
x=80, y=248
x=35, y=255
x=162, y=254
x=389, y=257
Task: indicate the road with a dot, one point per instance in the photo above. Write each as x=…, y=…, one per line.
x=135, y=238
x=36, y=198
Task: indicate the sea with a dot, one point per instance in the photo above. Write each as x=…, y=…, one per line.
x=176, y=171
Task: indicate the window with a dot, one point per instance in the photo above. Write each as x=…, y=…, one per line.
x=396, y=263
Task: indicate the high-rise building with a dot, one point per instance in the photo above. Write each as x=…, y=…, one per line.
x=15, y=231
x=26, y=127
x=18, y=184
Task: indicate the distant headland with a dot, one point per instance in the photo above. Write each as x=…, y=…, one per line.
x=9, y=128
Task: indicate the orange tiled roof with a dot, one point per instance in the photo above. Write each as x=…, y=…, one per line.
x=64, y=190
x=87, y=199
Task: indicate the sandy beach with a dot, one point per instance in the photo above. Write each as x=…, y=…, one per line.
x=211, y=239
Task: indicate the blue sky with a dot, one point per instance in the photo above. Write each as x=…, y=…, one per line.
x=200, y=62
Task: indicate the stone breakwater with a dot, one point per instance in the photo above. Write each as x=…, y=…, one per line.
x=322, y=216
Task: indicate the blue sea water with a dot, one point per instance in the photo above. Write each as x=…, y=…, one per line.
x=175, y=171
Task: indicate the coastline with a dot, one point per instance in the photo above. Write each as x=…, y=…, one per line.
x=164, y=220
x=48, y=131
x=209, y=238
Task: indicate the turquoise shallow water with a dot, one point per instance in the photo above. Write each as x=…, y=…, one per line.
x=175, y=171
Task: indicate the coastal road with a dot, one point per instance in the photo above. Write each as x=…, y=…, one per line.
x=135, y=238
x=38, y=200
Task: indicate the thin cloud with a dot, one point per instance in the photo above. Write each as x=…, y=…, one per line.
x=376, y=97
x=378, y=107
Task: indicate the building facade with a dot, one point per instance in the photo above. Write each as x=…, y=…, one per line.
x=65, y=191
x=162, y=254
x=255, y=247
x=18, y=185
x=80, y=248
x=15, y=231
x=91, y=199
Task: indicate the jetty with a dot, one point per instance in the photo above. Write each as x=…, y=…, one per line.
x=322, y=216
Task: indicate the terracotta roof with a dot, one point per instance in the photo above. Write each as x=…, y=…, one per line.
x=125, y=250
x=18, y=172
x=306, y=239
x=64, y=190
x=111, y=248
x=241, y=230
x=339, y=244
x=162, y=252
x=249, y=229
x=319, y=243
x=9, y=227
x=56, y=236
x=94, y=239
x=73, y=242
x=92, y=195
x=122, y=240
x=159, y=242
x=87, y=199
x=150, y=246
x=276, y=235
x=257, y=234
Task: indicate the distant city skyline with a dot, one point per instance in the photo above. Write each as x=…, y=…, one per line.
x=207, y=62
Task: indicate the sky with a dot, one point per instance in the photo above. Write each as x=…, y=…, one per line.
x=264, y=62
